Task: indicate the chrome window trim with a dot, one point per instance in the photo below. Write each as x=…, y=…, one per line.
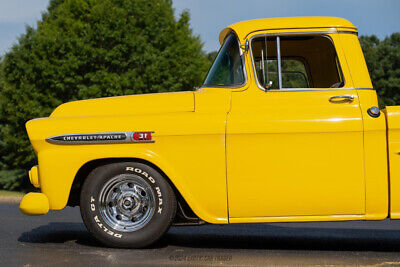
x=243, y=67
x=308, y=90
x=348, y=32
x=317, y=89
x=285, y=34
x=332, y=30
x=278, y=55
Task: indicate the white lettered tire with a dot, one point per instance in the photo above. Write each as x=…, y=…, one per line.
x=127, y=204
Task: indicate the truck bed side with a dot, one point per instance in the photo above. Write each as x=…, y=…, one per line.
x=393, y=141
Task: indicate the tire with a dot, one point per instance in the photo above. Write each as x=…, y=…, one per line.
x=127, y=204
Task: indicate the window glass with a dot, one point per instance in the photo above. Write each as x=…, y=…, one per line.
x=264, y=56
x=294, y=74
x=306, y=62
x=227, y=69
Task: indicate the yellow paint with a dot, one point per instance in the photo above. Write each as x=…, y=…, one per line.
x=298, y=219
x=375, y=144
x=393, y=121
x=303, y=24
x=179, y=147
x=128, y=105
x=34, y=204
x=355, y=61
x=34, y=177
x=375, y=156
x=287, y=149
x=244, y=155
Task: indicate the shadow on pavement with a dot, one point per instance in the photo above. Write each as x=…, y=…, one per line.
x=259, y=236
x=59, y=233
x=269, y=236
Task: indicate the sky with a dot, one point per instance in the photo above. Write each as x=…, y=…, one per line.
x=209, y=17
x=14, y=15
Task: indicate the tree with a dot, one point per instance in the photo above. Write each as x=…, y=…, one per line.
x=383, y=61
x=211, y=56
x=93, y=48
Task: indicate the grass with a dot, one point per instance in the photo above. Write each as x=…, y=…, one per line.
x=4, y=193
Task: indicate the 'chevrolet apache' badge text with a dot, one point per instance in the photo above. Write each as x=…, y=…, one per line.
x=95, y=138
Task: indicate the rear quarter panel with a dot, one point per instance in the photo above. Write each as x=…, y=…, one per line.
x=393, y=122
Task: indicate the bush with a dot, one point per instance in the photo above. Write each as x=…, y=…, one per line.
x=13, y=179
x=383, y=60
x=87, y=49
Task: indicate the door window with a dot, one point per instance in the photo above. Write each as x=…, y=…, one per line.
x=284, y=62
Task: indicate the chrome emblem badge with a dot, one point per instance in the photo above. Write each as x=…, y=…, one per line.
x=101, y=138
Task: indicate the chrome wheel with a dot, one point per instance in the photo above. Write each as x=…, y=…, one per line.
x=127, y=202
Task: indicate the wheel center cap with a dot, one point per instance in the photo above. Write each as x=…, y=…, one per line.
x=128, y=202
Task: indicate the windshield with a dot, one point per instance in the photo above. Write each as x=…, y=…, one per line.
x=227, y=69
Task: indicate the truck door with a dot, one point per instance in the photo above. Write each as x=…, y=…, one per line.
x=295, y=137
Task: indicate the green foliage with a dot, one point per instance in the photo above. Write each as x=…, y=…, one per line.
x=93, y=48
x=383, y=60
x=13, y=180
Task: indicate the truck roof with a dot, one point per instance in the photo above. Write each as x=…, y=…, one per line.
x=244, y=28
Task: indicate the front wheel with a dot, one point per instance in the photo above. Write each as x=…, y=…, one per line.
x=127, y=204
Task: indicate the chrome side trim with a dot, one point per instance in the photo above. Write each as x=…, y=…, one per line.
x=96, y=138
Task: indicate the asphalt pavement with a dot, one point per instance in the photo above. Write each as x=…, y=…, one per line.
x=60, y=239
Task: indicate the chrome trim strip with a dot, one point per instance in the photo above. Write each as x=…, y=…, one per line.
x=293, y=33
x=333, y=30
x=307, y=90
x=278, y=49
x=96, y=138
x=348, y=32
x=243, y=63
x=317, y=89
x=253, y=64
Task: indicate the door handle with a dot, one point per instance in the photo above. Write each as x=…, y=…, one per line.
x=341, y=98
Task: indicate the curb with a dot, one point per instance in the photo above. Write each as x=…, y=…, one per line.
x=10, y=200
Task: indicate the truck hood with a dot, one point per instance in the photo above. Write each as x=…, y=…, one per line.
x=128, y=105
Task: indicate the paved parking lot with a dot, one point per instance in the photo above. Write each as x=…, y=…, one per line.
x=60, y=238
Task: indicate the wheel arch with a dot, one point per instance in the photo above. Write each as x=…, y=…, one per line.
x=185, y=214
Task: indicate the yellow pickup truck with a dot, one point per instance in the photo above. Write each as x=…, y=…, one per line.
x=285, y=128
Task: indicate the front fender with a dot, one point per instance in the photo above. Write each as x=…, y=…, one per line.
x=58, y=167
x=193, y=158
x=189, y=148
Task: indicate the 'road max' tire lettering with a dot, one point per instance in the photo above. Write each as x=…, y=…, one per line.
x=160, y=202
x=145, y=174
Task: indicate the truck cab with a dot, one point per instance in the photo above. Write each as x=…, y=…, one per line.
x=286, y=127
x=299, y=123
